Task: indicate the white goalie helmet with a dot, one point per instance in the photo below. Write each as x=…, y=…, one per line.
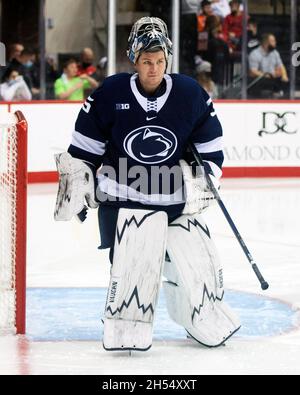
x=148, y=33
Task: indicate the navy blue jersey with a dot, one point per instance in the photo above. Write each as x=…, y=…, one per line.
x=135, y=139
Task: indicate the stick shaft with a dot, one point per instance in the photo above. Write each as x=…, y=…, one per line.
x=239, y=238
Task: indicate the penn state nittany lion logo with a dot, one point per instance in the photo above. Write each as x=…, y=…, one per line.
x=150, y=144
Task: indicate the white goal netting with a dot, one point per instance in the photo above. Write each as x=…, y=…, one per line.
x=8, y=221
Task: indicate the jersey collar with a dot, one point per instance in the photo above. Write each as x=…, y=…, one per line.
x=161, y=100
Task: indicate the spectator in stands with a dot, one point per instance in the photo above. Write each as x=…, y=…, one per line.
x=213, y=23
x=233, y=26
x=220, y=8
x=266, y=66
x=32, y=72
x=217, y=52
x=23, y=63
x=87, y=67
x=52, y=75
x=14, y=50
x=23, y=59
x=203, y=33
x=206, y=11
x=13, y=86
x=203, y=71
x=253, y=40
x=70, y=86
x=188, y=35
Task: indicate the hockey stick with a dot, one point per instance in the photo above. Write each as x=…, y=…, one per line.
x=199, y=160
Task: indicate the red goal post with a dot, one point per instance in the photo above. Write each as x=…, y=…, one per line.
x=13, y=220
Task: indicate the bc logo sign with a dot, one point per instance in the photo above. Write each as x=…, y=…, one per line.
x=150, y=144
x=274, y=122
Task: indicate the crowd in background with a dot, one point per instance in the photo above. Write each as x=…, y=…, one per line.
x=210, y=51
x=76, y=79
x=211, y=45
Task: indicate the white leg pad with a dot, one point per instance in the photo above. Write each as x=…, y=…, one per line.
x=139, y=253
x=194, y=290
x=127, y=335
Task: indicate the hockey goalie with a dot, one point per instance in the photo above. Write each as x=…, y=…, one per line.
x=129, y=159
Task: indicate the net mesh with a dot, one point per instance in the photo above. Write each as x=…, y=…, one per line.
x=8, y=190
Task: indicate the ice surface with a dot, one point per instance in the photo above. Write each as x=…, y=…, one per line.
x=63, y=257
x=57, y=314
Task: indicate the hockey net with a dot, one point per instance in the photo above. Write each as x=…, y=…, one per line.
x=13, y=199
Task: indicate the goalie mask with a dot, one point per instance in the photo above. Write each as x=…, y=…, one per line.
x=146, y=34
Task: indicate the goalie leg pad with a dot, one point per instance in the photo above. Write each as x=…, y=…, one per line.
x=76, y=182
x=139, y=252
x=194, y=290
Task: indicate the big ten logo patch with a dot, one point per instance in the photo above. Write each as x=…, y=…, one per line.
x=122, y=106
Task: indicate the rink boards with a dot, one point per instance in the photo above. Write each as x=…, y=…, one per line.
x=261, y=138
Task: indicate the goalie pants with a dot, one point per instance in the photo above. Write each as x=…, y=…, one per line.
x=107, y=219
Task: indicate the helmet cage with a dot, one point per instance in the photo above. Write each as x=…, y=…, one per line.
x=148, y=33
